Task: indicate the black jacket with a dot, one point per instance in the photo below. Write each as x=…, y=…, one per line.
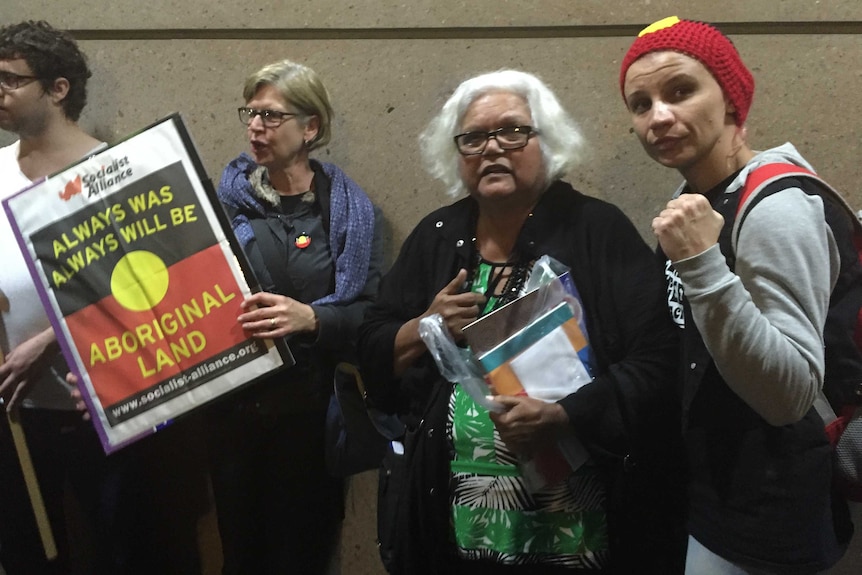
x=307, y=385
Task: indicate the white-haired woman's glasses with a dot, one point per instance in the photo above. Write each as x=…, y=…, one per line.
x=510, y=138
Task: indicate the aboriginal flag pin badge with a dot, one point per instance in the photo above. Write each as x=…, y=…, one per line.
x=302, y=241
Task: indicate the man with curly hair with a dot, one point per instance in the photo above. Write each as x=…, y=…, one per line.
x=43, y=89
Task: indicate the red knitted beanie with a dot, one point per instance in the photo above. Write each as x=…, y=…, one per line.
x=705, y=44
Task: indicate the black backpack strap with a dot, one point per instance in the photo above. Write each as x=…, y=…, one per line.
x=842, y=336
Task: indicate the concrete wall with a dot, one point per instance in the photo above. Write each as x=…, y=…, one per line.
x=390, y=64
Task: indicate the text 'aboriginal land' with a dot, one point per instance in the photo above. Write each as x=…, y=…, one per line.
x=165, y=340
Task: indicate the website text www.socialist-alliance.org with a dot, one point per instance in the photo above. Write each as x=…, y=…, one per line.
x=181, y=380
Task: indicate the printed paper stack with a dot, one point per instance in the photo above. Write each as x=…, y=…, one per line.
x=542, y=356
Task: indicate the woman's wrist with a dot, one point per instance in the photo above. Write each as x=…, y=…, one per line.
x=314, y=321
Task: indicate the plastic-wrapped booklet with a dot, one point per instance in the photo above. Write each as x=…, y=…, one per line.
x=535, y=346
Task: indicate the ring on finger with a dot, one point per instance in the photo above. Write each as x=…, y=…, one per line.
x=272, y=322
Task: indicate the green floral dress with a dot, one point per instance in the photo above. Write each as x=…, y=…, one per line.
x=495, y=517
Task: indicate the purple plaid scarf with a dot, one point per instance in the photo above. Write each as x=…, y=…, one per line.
x=351, y=222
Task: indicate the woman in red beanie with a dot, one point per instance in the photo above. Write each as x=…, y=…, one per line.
x=753, y=310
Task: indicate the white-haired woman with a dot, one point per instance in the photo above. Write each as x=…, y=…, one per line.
x=310, y=235
x=504, y=139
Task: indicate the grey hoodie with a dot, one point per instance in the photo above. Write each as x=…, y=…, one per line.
x=763, y=322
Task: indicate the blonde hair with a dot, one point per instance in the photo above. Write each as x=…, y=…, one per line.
x=302, y=88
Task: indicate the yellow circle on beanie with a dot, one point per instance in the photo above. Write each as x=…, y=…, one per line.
x=659, y=25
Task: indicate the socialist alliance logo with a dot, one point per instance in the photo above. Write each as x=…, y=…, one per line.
x=107, y=177
x=73, y=188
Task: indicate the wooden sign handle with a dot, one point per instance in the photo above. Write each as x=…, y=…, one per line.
x=36, y=501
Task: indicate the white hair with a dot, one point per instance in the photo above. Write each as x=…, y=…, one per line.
x=561, y=141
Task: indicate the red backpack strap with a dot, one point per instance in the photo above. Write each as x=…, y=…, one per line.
x=760, y=176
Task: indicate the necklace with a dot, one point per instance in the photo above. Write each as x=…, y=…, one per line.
x=487, y=276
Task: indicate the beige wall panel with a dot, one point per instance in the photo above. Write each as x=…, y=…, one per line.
x=359, y=555
x=385, y=92
x=132, y=14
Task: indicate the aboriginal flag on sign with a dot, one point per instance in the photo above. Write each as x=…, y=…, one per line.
x=158, y=214
x=145, y=291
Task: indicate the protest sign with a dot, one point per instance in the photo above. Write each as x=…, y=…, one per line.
x=142, y=280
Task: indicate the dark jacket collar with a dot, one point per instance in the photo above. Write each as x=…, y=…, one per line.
x=457, y=222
